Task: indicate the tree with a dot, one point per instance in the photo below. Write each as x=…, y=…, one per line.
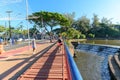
x=33, y=31
x=91, y=35
x=25, y=32
x=95, y=21
x=82, y=24
x=71, y=33
x=48, y=20
x=2, y=28
x=106, y=22
x=70, y=18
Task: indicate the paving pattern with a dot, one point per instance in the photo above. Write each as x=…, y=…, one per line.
x=52, y=65
x=13, y=61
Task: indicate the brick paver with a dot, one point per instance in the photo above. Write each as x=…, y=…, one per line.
x=50, y=66
x=14, y=60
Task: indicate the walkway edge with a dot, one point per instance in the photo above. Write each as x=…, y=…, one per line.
x=27, y=66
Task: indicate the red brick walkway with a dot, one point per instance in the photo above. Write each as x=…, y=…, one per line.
x=9, y=53
x=51, y=66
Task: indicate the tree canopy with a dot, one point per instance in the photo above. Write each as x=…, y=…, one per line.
x=48, y=20
x=70, y=27
x=2, y=28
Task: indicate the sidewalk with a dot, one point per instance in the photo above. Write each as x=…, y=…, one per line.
x=19, y=50
x=14, y=60
x=16, y=51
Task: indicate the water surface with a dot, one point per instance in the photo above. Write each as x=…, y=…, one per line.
x=89, y=65
x=105, y=42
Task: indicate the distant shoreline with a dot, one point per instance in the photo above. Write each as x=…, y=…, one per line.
x=103, y=39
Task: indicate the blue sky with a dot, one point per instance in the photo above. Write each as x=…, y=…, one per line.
x=103, y=8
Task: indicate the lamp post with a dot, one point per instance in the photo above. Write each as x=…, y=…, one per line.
x=27, y=22
x=9, y=23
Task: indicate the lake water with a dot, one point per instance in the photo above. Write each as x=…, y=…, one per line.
x=90, y=64
x=105, y=42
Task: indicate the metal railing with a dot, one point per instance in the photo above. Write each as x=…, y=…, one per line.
x=73, y=67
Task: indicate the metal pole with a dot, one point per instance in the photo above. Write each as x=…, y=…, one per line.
x=27, y=22
x=9, y=23
x=5, y=33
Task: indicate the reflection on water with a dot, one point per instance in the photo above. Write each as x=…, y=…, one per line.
x=89, y=65
x=93, y=62
x=106, y=42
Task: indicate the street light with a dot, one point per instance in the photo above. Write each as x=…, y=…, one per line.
x=27, y=18
x=27, y=22
x=9, y=23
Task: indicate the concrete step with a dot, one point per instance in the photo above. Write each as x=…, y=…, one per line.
x=119, y=56
x=117, y=60
x=114, y=68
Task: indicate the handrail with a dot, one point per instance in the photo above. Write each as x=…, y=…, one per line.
x=73, y=67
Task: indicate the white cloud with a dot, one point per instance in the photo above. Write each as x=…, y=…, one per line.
x=7, y=2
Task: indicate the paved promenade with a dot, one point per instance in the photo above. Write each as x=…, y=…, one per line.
x=52, y=65
x=14, y=60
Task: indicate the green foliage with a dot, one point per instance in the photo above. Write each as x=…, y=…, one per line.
x=91, y=35
x=82, y=24
x=70, y=17
x=48, y=19
x=69, y=27
x=105, y=32
x=64, y=34
x=17, y=31
x=95, y=21
x=65, y=29
x=103, y=29
x=25, y=32
x=33, y=31
x=71, y=33
x=2, y=28
x=77, y=36
x=82, y=36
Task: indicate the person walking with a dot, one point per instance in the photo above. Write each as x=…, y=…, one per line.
x=59, y=43
x=33, y=45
